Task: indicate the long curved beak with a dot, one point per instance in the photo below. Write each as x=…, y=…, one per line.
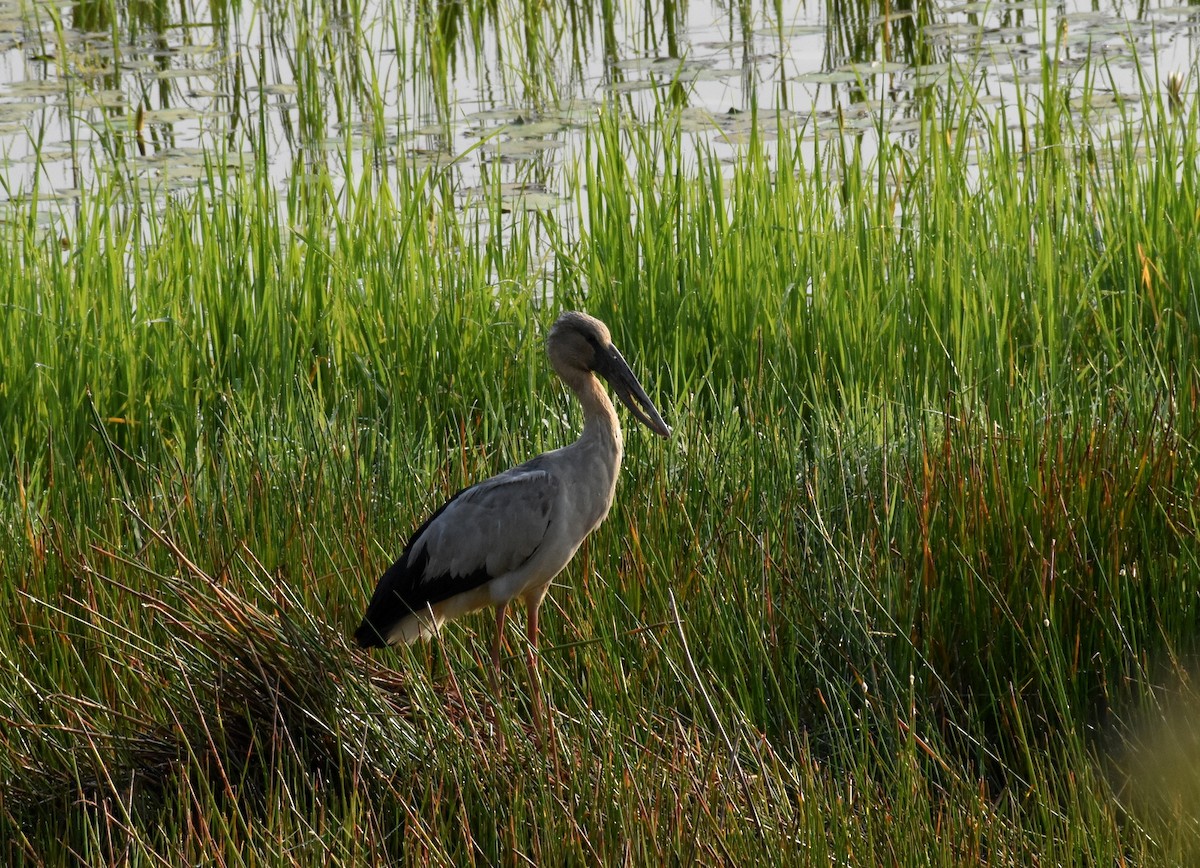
x=616, y=370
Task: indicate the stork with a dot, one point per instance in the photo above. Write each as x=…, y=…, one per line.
x=507, y=537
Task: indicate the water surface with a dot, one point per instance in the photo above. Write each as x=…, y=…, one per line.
x=496, y=94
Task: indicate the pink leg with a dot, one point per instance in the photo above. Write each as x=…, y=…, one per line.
x=535, y=684
x=497, y=643
x=543, y=724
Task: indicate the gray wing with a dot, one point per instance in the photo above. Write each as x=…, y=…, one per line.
x=494, y=526
x=480, y=534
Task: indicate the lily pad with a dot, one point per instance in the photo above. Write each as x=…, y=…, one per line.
x=572, y=111
x=165, y=116
x=496, y=114
x=181, y=73
x=790, y=31
x=878, y=20
x=642, y=64
x=634, y=86
x=514, y=196
x=697, y=121
x=867, y=70
x=18, y=111
x=101, y=99
x=35, y=88
x=833, y=77
x=979, y=7
x=425, y=158
x=532, y=129
x=520, y=149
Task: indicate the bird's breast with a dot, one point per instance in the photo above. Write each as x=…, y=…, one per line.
x=589, y=483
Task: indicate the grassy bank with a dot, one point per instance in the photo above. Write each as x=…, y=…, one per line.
x=915, y=580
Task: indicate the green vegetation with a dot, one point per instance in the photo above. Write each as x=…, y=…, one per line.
x=916, y=580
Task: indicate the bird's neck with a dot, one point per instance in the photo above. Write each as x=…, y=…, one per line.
x=600, y=423
x=598, y=451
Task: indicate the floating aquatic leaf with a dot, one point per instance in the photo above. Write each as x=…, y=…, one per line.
x=1095, y=100
x=970, y=9
x=862, y=122
x=174, y=170
x=821, y=133
x=1091, y=36
x=642, y=64
x=950, y=29
x=35, y=88
x=899, y=126
x=533, y=202
x=422, y=158
x=773, y=118
x=432, y=130
x=697, y=121
x=139, y=64
x=1175, y=11
x=16, y=111
x=634, y=86
x=507, y=189
x=326, y=146
x=929, y=70
x=92, y=73
x=497, y=114
x=101, y=99
x=65, y=194
x=671, y=65
x=531, y=129
x=43, y=156
x=745, y=136
x=734, y=126
x=184, y=73
x=981, y=7
x=195, y=50
x=200, y=158
x=841, y=77
x=878, y=20
x=172, y=115
x=697, y=75
x=864, y=108
x=142, y=160
x=790, y=31
x=520, y=149
x=528, y=197
x=572, y=111
x=1002, y=34
x=1007, y=53
x=1023, y=77
x=866, y=70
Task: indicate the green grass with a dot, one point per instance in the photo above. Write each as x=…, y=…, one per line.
x=914, y=581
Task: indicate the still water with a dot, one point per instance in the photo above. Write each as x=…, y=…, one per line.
x=495, y=93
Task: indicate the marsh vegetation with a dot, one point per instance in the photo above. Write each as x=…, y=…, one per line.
x=917, y=579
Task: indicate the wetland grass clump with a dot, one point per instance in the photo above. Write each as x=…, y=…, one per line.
x=911, y=583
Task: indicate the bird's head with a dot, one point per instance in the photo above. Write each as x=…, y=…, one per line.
x=581, y=344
